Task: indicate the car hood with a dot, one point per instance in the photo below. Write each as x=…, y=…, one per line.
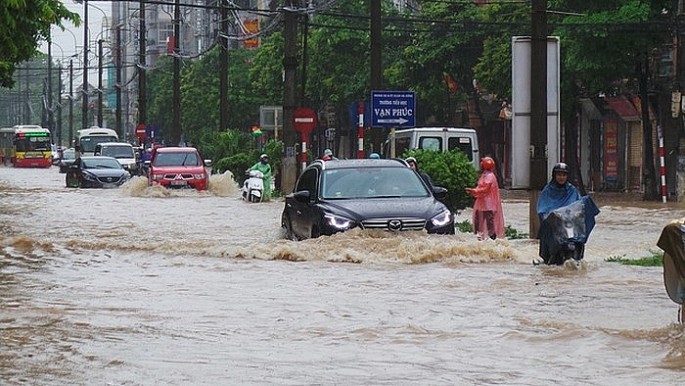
x=178, y=169
x=357, y=210
x=106, y=172
x=126, y=161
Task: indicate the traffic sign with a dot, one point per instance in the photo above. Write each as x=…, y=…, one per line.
x=393, y=108
x=141, y=132
x=304, y=120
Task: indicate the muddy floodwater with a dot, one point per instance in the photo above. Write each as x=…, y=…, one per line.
x=145, y=286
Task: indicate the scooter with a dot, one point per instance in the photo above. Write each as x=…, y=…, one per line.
x=564, y=232
x=253, y=187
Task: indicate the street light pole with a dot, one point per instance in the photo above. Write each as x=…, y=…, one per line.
x=71, y=102
x=84, y=89
x=142, y=106
x=99, y=82
x=49, y=107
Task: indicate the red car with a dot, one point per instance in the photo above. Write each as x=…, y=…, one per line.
x=178, y=167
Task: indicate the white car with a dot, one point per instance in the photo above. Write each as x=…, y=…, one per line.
x=122, y=151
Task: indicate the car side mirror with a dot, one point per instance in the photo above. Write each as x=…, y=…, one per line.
x=302, y=195
x=147, y=163
x=208, y=162
x=439, y=192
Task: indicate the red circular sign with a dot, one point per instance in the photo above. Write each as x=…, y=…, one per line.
x=304, y=120
x=140, y=132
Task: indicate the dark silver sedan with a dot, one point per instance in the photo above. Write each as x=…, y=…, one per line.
x=96, y=172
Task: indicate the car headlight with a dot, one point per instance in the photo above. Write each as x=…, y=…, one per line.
x=157, y=176
x=88, y=176
x=442, y=219
x=199, y=176
x=338, y=222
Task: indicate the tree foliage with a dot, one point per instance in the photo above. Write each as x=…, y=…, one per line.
x=200, y=94
x=23, y=25
x=451, y=170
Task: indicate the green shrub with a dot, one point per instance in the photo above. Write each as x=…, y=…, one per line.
x=451, y=170
x=236, y=151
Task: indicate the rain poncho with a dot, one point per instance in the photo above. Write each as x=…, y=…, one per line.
x=265, y=168
x=671, y=241
x=555, y=196
x=571, y=223
x=488, y=207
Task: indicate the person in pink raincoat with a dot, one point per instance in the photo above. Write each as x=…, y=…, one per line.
x=488, y=219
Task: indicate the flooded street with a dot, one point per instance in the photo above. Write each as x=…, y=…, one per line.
x=139, y=286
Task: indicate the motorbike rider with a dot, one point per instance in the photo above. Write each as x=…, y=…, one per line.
x=557, y=193
x=488, y=218
x=557, y=245
x=328, y=155
x=263, y=166
x=414, y=165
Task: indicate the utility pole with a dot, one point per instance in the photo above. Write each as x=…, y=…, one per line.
x=117, y=63
x=289, y=168
x=538, y=110
x=142, y=105
x=223, y=68
x=84, y=89
x=27, y=110
x=175, y=134
x=71, y=102
x=59, y=105
x=99, y=82
x=376, y=63
x=49, y=107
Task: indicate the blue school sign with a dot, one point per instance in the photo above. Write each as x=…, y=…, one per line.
x=393, y=108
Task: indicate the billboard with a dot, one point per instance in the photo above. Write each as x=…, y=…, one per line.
x=251, y=27
x=521, y=108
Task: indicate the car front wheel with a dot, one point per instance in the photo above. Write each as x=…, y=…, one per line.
x=288, y=229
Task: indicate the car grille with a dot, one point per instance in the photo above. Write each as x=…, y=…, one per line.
x=174, y=176
x=395, y=224
x=109, y=180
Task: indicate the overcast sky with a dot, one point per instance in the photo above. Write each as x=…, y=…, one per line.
x=70, y=41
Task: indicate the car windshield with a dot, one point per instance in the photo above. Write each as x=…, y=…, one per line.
x=88, y=143
x=102, y=163
x=371, y=182
x=177, y=159
x=118, y=151
x=69, y=154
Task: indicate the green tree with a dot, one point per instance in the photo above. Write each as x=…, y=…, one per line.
x=451, y=170
x=23, y=25
x=602, y=42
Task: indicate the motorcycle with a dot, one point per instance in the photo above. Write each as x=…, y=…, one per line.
x=253, y=187
x=564, y=232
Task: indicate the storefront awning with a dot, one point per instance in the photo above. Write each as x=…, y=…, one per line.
x=637, y=102
x=625, y=110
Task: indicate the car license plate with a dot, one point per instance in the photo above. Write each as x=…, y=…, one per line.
x=179, y=183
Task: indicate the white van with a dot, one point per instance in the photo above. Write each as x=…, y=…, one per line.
x=436, y=138
x=122, y=151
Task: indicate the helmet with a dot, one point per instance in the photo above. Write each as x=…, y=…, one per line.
x=410, y=160
x=327, y=152
x=264, y=157
x=560, y=167
x=374, y=156
x=487, y=163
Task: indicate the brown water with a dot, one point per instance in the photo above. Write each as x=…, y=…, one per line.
x=142, y=285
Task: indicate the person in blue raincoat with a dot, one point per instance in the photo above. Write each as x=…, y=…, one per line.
x=567, y=218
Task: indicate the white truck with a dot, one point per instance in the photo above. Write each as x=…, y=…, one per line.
x=434, y=138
